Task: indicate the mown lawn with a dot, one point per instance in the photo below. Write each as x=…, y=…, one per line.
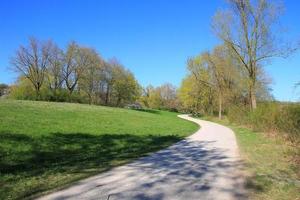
x=273, y=173
x=45, y=146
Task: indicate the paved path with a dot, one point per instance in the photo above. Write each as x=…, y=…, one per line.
x=206, y=165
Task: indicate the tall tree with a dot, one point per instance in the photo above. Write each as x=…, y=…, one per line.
x=32, y=62
x=247, y=28
x=125, y=88
x=91, y=77
x=75, y=63
x=55, y=69
x=70, y=67
x=219, y=68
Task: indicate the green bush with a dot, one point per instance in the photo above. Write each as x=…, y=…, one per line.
x=288, y=121
x=270, y=117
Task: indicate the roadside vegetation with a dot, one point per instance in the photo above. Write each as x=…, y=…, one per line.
x=271, y=164
x=49, y=145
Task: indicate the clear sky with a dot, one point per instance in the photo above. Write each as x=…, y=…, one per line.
x=153, y=38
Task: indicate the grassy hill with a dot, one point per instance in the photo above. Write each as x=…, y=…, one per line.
x=49, y=145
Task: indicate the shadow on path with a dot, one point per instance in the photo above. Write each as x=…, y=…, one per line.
x=186, y=170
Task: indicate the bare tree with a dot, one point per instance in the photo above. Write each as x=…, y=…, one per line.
x=247, y=28
x=76, y=60
x=55, y=69
x=32, y=62
x=70, y=67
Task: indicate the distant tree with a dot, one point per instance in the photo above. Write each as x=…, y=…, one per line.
x=247, y=28
x=55, y=76
x=32, y=62
x=125, y=88
x=92, y=75
x=77, y=74
x=71, y=68
x=221, y=69
x=145, y=95
x=201, y=69
x=168, y=95
x=194, y=97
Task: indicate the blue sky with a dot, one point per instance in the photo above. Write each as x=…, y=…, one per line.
x=153, y=38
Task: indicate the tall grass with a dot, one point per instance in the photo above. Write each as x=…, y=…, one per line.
x=280, y=118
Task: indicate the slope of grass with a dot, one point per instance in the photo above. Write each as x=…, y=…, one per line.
x=273, y=172
x=44, y=145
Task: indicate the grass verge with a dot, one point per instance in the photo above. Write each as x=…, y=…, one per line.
x=273, y=173
x=45, y=146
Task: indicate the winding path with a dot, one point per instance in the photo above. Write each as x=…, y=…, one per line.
x=206, y=165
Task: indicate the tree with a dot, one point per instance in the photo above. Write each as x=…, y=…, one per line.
x=91, y=77
x=32, y=62
x=55, y=74
x=77, y=74
x=145, y=95
x=125, y=88
x=168, y=95
x=247, y=28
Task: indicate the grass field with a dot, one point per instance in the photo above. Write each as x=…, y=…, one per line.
x=44, y=145
x=270, y=162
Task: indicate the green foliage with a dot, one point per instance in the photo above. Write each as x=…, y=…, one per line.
x=125, y=88
x=163, y=97
x=47, y=145
x=270, y=117
x=23, y=89
x=76, y=74
x=193, y=97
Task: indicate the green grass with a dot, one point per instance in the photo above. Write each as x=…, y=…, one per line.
x=273, y=173
x=45, y=146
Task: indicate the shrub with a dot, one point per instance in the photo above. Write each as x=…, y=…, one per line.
x=270, y=117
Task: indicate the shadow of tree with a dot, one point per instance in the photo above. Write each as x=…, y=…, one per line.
x=25, y=157
x=186, y=170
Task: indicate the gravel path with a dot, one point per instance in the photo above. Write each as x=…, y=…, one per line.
x=206, y=165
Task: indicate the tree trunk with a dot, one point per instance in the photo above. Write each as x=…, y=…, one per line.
x=220, y=106
x=90, y=99
x=252, y=96
x=37, y=92
x=107, y=95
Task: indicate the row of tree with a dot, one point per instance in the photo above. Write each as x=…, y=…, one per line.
x=76, y=74
x=233, y=73
x=230, y=74
x=216, y=81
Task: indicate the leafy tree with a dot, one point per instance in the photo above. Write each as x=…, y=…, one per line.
x=247, y=28
x=91, y=77
x=189, y=95
x=125, y=88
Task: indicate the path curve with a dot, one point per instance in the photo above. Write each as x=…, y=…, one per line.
x=206, y=165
